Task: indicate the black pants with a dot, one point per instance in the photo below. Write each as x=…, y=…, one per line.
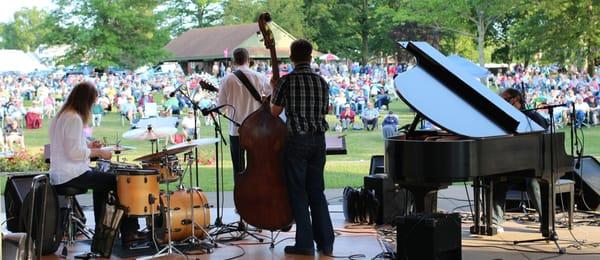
x=532, y=187
x=238, y=155
x=304, y=163
x=101, y=183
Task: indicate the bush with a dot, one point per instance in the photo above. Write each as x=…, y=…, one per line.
x=23, y=161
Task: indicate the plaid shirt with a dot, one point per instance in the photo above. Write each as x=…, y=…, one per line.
x=305, y=97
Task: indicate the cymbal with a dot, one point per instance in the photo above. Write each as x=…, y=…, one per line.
x=178, y=148
x=185, y=145
x=149, y=134
x=117, y=148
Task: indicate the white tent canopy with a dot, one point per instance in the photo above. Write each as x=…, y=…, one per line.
x=17, y=60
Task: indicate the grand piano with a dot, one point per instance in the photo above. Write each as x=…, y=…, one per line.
x=480, y=138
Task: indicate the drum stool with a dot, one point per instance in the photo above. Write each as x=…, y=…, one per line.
x=74, y=224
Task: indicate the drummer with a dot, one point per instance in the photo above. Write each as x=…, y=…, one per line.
x=71, y=153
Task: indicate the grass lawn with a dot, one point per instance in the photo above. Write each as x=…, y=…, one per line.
x=340, y=170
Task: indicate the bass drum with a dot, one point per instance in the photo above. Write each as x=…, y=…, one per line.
x=181, y=215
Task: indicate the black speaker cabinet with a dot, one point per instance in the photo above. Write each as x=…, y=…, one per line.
x=393, y=201
x=587, y=183
x=429, y=236
x=17, y=187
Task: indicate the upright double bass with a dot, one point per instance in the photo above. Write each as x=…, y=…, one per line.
x=260, y=191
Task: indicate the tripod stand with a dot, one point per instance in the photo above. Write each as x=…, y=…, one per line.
x=552, y=236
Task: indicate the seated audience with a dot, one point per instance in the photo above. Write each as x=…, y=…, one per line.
x=369, y=117
x=14, y=135
x=347, y=117
x=390, y=125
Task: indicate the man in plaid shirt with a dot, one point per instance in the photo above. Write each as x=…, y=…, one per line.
x=305, y=97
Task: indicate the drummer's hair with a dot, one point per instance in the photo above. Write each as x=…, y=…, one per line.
x=300, y=51
x=80, y=101
x=240, y=56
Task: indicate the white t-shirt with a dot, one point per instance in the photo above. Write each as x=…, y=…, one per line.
x=234, y=93
x=70, y=156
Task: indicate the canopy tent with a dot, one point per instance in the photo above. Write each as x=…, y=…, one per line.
x=329, y=57
x=468, y=66
x=19, y=61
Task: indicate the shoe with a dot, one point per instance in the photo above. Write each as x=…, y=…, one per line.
x=128, y=239
x=499, y=229
x=327, y=252
x=293, y=250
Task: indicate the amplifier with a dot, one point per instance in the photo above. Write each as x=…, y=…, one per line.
x=393, y=201
x=429, y=236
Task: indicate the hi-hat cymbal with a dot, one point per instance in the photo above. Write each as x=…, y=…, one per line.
x=149, y=134
x=117, y=148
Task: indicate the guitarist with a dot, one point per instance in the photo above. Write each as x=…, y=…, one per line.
x=305, y=97
x=245, y=98
x=233, y=92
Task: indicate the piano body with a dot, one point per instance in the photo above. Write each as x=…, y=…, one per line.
x=483, y=139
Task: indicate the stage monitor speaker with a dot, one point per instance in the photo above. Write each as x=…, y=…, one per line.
x=393, y=201
x=429, y=236
x=17, y=187
x=587, y=183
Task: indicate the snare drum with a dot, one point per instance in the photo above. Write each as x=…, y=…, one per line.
x=181, y=214
x=110, y=166
x=169, y=170
x=138, y=191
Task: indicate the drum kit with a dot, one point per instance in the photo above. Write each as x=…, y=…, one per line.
x=182, y=215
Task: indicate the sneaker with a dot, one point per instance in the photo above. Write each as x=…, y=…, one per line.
x=499, y=229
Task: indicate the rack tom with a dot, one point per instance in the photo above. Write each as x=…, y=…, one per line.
x=168, y=168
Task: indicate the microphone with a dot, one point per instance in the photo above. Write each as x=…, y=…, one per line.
x=206, y=111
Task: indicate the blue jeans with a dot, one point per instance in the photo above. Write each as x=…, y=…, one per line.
x=304, y=161
x=579, y=118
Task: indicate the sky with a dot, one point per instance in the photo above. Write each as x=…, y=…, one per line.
x=9, y=7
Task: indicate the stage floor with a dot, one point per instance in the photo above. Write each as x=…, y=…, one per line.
x=353, y=240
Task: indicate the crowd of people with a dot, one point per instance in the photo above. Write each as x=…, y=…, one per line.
x=358, y=96
x=542, y=86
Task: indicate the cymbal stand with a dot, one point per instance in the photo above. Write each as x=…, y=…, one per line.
x=169, y=249
x=192, y=239
x=553, y=236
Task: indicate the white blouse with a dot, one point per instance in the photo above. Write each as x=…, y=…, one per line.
x=69, y=154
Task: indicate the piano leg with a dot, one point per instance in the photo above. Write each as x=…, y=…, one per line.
x=477, y=186
x=425, y=199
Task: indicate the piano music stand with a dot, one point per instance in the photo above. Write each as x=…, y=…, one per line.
x=553, y=236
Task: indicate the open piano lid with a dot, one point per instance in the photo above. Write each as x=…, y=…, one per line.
x=450, y=98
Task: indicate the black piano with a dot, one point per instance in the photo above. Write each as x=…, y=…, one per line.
x=481, y=138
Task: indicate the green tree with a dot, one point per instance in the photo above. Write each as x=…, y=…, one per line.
x=289, y=14
x=26, y=31
x=181, y=15
x=348, y=28
x=564, y=31
x=109, y=33
x=473, y=18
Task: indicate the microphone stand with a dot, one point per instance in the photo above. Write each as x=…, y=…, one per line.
x=195, y=108
x=219, y=133
x=553, y=236
x=219, y=221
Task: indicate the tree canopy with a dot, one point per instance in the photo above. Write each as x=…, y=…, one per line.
x=130, y=33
